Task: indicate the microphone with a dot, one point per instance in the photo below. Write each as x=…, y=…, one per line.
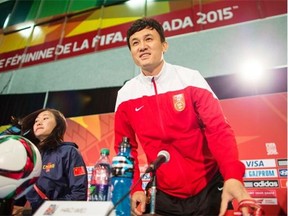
x=162, y=157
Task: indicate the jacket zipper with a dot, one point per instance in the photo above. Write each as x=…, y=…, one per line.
x=158, y=107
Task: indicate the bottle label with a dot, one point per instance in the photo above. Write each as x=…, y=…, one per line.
x=102, y=176
x=99, y=193
x=122, y=166
x=100, y=183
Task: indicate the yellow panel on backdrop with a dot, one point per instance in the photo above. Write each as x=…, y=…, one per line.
x=14, y=41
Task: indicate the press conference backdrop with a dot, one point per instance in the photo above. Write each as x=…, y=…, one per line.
x=67, y=47
x=257, y=115
x=260, y=124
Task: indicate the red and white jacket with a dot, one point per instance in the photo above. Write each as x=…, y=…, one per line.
x=177, y=111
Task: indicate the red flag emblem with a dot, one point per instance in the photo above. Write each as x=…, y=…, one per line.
x=79, y=171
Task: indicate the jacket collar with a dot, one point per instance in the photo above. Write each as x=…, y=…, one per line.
x=157, y=77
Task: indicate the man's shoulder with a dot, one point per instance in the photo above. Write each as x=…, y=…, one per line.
x=180, y=68
x=129, y=85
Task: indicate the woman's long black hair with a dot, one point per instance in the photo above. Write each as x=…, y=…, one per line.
x=56, y=136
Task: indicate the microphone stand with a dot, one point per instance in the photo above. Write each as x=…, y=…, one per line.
x=153, y=193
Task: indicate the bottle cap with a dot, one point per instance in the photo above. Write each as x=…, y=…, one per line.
x=125, y=139
x=105, y=151
x=125, y=143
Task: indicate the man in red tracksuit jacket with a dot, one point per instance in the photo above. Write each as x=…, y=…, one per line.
x=172, y=108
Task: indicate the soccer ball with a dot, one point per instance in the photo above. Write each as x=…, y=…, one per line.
x=20, y=166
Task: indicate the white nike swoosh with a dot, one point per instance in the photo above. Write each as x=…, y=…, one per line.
x=138, y=108
x=220, y=188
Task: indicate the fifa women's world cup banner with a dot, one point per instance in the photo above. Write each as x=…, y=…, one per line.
x=260, y=130
x=44, y=43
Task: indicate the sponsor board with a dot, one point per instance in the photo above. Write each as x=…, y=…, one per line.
x=283, y=183
x=262, y=193
x=282, y=162
x=261, y=173
x=267, y=201
x=259, y=163
x=283, y=172
x=262, y=184
x=89, y=172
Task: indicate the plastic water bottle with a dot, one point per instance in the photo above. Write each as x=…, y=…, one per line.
x=100, y=179
x=122, y=174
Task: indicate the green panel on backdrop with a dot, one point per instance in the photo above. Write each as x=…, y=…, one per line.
x=30, y=10
x=80, y=5
x=5, y=8
x=112, y=2
x=20, y=12
x=33, y=10
x=52, y=8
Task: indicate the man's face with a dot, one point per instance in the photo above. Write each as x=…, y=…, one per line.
x=147, y=50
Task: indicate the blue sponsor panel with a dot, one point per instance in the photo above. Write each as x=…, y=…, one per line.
x=283, y=173
x=261, y=173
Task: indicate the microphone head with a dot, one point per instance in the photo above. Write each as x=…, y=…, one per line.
x=165, y=154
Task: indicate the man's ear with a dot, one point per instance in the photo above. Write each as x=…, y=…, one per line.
x=165, y=46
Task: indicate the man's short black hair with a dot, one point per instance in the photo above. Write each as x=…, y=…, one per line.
x=143, y=23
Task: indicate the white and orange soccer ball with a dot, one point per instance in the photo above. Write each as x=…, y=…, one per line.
x=20, y=166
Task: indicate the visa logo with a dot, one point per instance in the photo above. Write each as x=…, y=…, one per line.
x=259, y=163
x=254, y=163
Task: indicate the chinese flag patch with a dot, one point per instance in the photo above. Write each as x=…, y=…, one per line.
x=79, y=171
